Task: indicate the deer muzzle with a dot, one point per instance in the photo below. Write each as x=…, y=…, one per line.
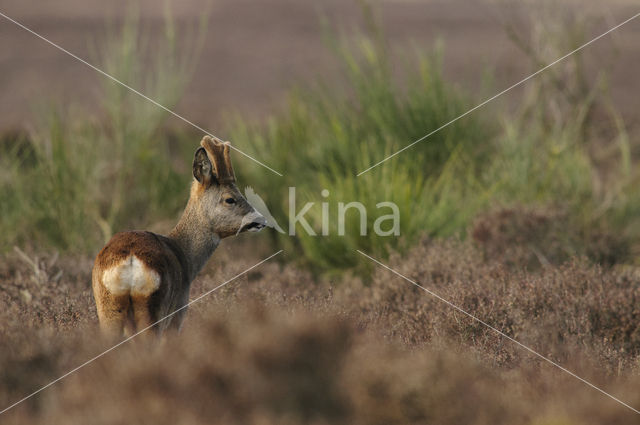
x=253, y=222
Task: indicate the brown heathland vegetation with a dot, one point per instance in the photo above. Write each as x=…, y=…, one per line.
x=272, y=347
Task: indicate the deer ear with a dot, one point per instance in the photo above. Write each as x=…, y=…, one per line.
x=202, y=170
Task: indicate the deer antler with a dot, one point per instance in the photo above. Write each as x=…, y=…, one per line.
x=220, y=156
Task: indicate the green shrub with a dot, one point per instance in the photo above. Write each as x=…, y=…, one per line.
x=85, y=179
x=530, y=157
x=325, y=138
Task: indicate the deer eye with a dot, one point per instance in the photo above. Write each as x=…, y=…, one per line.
x=230, y=201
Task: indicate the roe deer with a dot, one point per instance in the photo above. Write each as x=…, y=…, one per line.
x=140, y=277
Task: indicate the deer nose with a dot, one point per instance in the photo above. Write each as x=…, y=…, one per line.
x=253, y=222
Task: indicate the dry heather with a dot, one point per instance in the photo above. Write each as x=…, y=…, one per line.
x=276, y=348
x=534, y=236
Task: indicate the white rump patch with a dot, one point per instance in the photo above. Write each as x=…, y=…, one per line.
x=131, y=276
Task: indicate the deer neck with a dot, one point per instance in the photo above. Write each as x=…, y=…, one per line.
x=194, y=236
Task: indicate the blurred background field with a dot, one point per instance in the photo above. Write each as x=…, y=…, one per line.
x=525, y=212
x=76, y=173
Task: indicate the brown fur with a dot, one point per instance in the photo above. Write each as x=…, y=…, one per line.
x=220, y=156
x=159, y=254
x=174, y=259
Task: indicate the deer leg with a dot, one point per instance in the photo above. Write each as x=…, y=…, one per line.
x=180, y=312
x=113, y=313
x=143, y=317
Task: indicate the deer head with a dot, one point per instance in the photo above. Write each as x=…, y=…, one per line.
x=215, y=192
